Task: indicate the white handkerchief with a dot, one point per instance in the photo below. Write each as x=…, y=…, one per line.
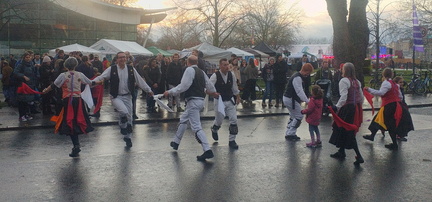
x=162, y=105
x=87, y=96
x=205, y=110
x=221, y=106
x=158, y=96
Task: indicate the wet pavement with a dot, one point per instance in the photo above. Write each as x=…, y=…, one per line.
x=9, y=116
x=35, y=165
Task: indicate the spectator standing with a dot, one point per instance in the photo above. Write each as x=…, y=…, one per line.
x=96, y=63
x=6, y=71
x=152, y=76
x=268, y=77
x=251, y=72
x=280, y=69
x=174, y=75
x=26, y=73
x=46, y=75
x=12, y=61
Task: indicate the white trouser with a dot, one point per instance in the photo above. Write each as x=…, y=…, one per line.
x=123, y=104
x=172, y=97
x=230, y=111
x=192, y=114
x=295, y=115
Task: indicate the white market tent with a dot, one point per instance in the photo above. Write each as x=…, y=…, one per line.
x=211, y=53
x=240, y=53
x=112, y=47
x=317, y=50
x=75, y=47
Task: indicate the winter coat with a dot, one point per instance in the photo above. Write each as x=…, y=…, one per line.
x=313, y=111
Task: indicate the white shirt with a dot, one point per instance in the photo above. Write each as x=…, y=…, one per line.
x=123, y=80
x=344, y=85
x=385, y=87
x=234, y=88
x=186, y=82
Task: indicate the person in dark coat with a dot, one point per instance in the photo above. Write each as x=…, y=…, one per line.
x=152, y=75
x=280, y=69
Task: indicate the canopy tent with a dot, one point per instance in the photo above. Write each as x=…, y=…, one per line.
x=75, y=47
x=173, y=51
x=156, y=51
x=111, y=47
x=256, y=53
x=315, y=50
x=211, y=53
x=240, y=53
x=263, y=47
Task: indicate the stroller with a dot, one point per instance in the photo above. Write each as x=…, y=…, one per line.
x=325, y=84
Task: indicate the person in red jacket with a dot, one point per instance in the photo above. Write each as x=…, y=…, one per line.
x=313, y=115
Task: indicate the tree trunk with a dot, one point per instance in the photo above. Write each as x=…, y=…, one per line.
x=350, y=38
x=359, y=35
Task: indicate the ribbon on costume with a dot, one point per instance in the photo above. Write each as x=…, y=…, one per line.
x=341, y=123
x=25, y=89
x=369, y=98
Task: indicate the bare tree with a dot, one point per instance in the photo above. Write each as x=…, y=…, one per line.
x=179, y=34
x=273, y=23
x=219, y=17
x=350, y=35
x=17, y=10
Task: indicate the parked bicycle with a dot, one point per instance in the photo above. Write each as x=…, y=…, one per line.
x=376, y=81
x=422, y=86
x=411, y=85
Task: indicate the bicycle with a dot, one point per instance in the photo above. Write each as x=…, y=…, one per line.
x=422, y=86
x=411, y=85
x=376, y=81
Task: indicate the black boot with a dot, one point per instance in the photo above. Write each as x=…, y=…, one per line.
x=206, y=155
x=75, y=151
x=214, y=131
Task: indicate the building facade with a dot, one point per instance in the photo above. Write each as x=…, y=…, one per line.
x=41, y=25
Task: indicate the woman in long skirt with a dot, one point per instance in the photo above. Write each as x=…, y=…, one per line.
x=73, y=120
x=349, y=110
x=392, y=116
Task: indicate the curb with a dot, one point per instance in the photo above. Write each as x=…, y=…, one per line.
x=168, y=120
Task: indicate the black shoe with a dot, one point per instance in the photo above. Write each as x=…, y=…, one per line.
x=338, y=155
x=75, y=151
x=174, y=145
x=358, y=160
x=292, y=137
x=392, y=146
x=215, y=134
x=128, y=142
x=368, y=137
x=206, y=155
x=233, y=144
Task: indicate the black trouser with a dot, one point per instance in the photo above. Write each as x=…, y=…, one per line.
x=279, y=90
x=75, y=140
x=46, y=102
x=23, y=108
x=249, y=90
